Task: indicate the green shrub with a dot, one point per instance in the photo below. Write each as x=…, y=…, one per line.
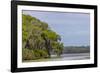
x=36, y=54
x=43, y=53
x=27, y=54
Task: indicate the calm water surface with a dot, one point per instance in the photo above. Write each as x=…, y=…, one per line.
x=77, y=56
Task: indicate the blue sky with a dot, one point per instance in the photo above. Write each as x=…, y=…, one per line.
x=74, y=28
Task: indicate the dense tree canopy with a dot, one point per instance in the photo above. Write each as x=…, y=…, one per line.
x=38, y=39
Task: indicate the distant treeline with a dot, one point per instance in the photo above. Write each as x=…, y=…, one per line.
x=76, y=49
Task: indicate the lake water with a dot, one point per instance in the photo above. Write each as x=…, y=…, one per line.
x=76, y=56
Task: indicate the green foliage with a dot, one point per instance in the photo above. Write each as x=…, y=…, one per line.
x=27, y=54
x=38, y=39
x=33, y=54
x=58, y=47
x=51, y=35
x=43, y=53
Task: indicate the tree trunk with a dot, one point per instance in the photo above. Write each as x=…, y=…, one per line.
x=47, y=45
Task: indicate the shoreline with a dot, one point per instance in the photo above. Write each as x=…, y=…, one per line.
x=74, y=56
